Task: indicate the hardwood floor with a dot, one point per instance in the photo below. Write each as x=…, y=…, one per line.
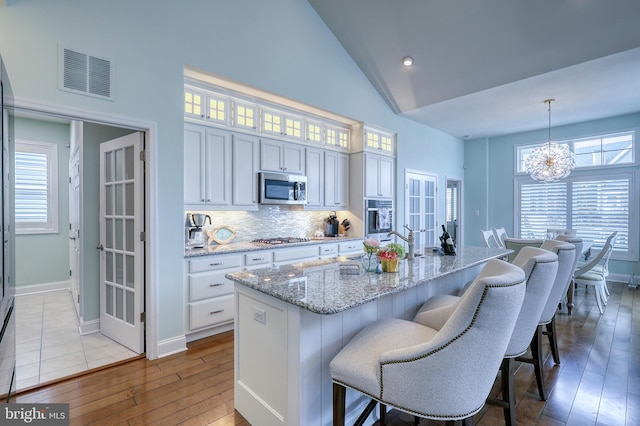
x=597, y=382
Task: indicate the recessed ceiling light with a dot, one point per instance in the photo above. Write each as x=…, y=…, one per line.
x=407, y=61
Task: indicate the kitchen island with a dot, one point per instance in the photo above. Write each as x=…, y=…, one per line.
x=292, y=320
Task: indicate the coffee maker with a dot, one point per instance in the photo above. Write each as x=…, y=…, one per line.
x=195, y=231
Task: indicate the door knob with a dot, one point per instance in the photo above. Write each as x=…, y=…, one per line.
x=100, y=247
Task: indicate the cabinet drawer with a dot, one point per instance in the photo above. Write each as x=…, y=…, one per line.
x=328, y=249
x=208, y=284
x=350, y=247
x=212, y=263
x=210, y=312
x=299, y=253
x=257, y=258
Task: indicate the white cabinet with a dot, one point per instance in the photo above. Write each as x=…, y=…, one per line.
x=328, y=250
x=201, y=105
x=314, y=166
x=336, y=137
x=378, y=176
x=279, y=156
x=350, y=247
x=295, y=254
x=207, y=166
x=281, y=124
x=244, y=191
x=245, y=115
x=336, y=179
x=209, y=293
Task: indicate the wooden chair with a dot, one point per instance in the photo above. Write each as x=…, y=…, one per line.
x=489, y=238
x=500, y=234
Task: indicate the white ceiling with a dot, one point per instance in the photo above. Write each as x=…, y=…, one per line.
x=484, y=68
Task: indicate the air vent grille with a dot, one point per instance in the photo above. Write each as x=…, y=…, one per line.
x=86, y=74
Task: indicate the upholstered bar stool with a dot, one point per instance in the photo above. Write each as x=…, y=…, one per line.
x=566, y=256
x=540, y=267
x=578, y=244
x=431, y=370
x=516, y=244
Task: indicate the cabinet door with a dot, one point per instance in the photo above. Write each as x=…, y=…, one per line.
x=194, y=164
x=245, y=166
x=315, y=176
x=218, y=168
x=271, y=155
x=293, y=158
x=386, y=175
x=371, y=175
x=336, y=172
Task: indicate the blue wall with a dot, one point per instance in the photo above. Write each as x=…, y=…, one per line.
x=489, y=176
x=280, y=46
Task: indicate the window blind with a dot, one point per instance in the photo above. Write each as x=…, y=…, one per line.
x=600, y=207
x=542, y=206
x=31, y=188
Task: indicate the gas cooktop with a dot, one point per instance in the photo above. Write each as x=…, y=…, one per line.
x=281, y=240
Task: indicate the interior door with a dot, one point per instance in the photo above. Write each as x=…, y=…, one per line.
x=74, y=228
x=420, y=208
x=121, y=248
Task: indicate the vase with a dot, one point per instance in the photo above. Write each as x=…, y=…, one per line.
x=369, y=262
x=389, y=265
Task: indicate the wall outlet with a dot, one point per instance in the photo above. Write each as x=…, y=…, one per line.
x=260, y=315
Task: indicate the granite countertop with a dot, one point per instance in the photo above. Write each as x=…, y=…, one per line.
x=249, y=246
x=329, y=286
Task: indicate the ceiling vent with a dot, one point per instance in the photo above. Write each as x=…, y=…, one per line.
x=85, y=74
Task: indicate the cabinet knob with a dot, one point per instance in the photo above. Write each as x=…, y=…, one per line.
x=216, y=285
x=216, y=264
x=216, y=312
x=255, y=259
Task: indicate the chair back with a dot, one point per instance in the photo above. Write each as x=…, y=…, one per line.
x=567, y=255
x=452, y=374
x=540, y=267
x=554, y=232
x=516, y=244
x=578, y=244
x=500, y=234
x=602, y=258
x=489, y=238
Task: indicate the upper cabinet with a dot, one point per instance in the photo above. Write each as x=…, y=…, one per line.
x=372, y=139
x=245, y=115
x=279, y=156
x=281, y=124
x=206, y=106
x=378, y=176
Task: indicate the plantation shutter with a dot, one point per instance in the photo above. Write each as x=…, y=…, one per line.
x=32, y=191
x=542, y=206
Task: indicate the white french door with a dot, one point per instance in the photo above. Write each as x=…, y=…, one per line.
x=420, y=208
x=121, y=248
x=75, y=264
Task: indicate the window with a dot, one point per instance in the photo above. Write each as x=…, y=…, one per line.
x=604, y=150
x=36, y=187
x=594, y=205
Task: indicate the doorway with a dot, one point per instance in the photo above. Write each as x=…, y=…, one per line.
x=80, y=234
x=420, y=208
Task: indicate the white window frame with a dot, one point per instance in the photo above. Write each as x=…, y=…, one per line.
x=50, y=150
x=631, y=254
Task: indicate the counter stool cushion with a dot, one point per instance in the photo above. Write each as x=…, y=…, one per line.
x=433, y=373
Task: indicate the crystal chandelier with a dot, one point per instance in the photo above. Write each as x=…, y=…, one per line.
x=550, y=162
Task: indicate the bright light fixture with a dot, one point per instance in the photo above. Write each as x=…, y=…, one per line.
x=550, y=162
x=407, y=61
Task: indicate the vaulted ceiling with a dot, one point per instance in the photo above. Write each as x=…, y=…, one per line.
x=484, y=68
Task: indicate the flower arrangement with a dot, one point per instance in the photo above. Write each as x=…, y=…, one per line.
x=371, y=245
x=389, y=256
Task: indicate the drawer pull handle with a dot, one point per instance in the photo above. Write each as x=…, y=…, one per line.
x=216, y=285
x=216, y=264
x=216, y=312
x=255, y=259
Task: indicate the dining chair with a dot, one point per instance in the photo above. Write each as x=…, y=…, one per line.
x=540, y=267
x=442, y=370
x=595, y=271
x=516, y=244
x=489, y=238
x=500, y=234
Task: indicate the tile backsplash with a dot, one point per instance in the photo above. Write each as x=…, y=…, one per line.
x=269, y=222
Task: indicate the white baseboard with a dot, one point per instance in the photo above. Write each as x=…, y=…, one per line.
x=89, y=327
x=41, y=288
x=172, y=346
x=209, y=332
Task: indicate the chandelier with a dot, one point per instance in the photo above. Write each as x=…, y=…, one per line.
x=550, y=162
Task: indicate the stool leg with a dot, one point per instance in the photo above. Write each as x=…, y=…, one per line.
x=339, y=396
x=536, y=354
x=508, y=391
x=553, y=341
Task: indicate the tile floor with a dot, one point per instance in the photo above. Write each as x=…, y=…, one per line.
x=49, y=345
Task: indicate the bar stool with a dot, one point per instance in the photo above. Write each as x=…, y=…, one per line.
x=432, y=371
x=540, y=267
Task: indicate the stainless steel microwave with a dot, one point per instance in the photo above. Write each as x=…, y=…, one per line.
x=281, y=188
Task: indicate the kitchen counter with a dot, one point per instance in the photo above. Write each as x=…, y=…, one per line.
x=329, y=286
x=292, y=320
x=249, y=246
